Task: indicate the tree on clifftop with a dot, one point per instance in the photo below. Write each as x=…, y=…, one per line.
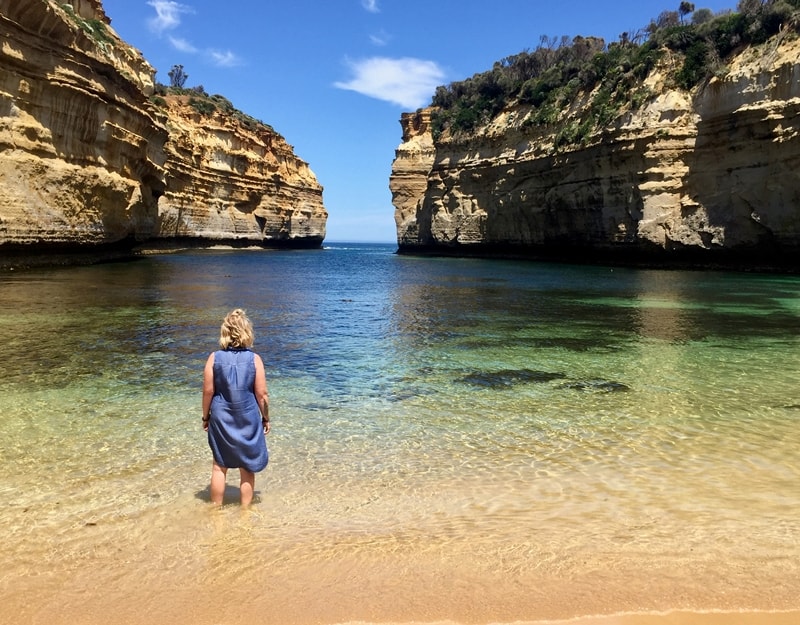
x=684, y=9
x=177, y=77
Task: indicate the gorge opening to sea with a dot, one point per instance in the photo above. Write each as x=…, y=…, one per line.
x=460, y=440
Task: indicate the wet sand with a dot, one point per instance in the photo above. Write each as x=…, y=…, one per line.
x=231, y=568
x=251, y=604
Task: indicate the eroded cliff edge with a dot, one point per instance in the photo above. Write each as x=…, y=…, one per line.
x=231, y=179
x=705, y=175
x=91, y=161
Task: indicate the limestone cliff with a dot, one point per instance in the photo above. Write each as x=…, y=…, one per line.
x=705, y=174
x=92, y=159
x=81, y=162
x=232, y=179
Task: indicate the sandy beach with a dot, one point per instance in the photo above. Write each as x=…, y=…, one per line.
x=327, y=602
x=203, y=567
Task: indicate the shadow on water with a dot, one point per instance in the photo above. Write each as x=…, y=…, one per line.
x=231, y=495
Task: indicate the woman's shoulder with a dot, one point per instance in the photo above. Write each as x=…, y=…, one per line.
x=237, y=354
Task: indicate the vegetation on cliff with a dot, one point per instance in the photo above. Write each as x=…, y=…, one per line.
x=609, y=79
x=94, y=27
x=205, y=104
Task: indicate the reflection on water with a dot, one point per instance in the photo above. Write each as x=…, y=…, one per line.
x=535, y=432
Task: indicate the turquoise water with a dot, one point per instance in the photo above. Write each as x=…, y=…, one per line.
x=535, y=431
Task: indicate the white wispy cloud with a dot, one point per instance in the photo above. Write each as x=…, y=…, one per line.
x=380, y=39
x=408, y=82
x=168, y=18
x=224, y=59
x=168, y=15
x=371, y=6
x=181, y=44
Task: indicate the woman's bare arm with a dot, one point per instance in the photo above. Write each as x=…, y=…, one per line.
x=261, y=392
x=208, y=389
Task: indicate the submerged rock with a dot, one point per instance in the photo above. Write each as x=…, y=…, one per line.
x=509, y=377
x=601, y=386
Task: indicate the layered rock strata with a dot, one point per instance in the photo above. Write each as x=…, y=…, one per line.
x=234, y=180
x=81, y=159
x=92, y=160
x=701, y=176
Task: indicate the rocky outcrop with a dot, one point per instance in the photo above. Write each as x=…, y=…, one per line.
x=231, y=179
x=705, y=175
x=81, y=159
x=91, y=159
x=408, y=182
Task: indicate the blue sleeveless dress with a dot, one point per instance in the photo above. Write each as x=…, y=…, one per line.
x=235, y=433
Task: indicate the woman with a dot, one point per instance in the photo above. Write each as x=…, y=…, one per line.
x=234, y=397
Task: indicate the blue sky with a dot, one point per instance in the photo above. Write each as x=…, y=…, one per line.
x=333, y=76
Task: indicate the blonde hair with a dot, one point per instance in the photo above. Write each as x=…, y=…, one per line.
x=236, y=330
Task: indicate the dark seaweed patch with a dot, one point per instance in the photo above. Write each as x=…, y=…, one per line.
x=600, y=386
x=509, y=377
x=573, y=344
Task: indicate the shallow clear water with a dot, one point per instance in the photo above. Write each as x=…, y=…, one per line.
x=453, y=439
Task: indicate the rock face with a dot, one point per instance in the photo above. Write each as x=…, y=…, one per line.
x=701, y=176
x=81, y=159
x=234, y=180
x=89, y=161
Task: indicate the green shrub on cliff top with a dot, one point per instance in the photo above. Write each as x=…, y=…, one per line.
x=207, y=105
x=550, y=77
x=202, y=106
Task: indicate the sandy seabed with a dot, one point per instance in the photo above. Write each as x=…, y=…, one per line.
x=232, y=568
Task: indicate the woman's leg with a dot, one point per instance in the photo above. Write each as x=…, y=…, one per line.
x=218, y=475
x=247, y=485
